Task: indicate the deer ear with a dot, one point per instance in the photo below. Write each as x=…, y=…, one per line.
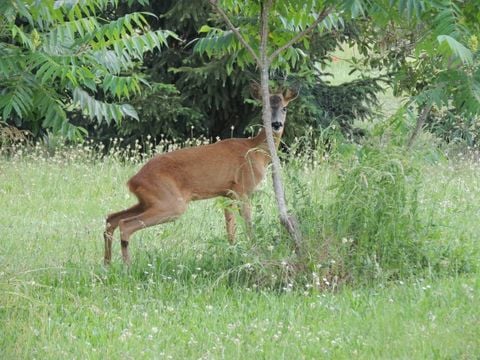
x=255, y=91
x=289, y=95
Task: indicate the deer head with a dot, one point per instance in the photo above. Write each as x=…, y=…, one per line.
x=278, y=106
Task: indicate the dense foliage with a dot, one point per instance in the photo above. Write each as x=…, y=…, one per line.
x=65, y=63
x=428, y=51
x=58, y=57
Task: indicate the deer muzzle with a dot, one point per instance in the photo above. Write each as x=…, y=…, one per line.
x=276, y=125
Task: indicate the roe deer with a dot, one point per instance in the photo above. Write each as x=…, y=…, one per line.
x=168, y=182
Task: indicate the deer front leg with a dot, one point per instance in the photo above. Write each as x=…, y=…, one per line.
x=246, y=211
x=230, y=222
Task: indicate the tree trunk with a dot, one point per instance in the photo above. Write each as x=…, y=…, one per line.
x=288, y=221
x=420, y=122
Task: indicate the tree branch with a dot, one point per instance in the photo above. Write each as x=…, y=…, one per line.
x=420, y=122
x=323, y=14
x=235, y=31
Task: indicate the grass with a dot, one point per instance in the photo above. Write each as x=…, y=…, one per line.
x=191, y=295
x=130, y=319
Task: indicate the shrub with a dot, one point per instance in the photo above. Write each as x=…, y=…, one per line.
x=372, y=224
x=454, y=127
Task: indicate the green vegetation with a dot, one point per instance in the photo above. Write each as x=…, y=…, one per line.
x=54, y=76
x=389, y=265
x=61, y=57
x=406, y=286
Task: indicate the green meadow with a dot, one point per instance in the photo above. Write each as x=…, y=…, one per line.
x=408, y=290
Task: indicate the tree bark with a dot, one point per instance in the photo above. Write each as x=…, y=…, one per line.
x=288, y=221
x=420, y=122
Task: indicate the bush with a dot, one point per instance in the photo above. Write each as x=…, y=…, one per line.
x=358, y=207
x=454, y=127
x=374, y=215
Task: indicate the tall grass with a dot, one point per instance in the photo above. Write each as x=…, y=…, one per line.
x=375, y=213
x=388, y=254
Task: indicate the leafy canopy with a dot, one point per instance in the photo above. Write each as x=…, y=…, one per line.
x=62, y=56
x=441, y=36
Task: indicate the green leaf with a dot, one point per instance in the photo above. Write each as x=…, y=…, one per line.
x=128, y=110
x=205, y=29
x=459, y=50
x=102, y=111
x=354, y=7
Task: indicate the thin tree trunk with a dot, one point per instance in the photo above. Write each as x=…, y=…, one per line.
x=420, y=122
x=288, y=221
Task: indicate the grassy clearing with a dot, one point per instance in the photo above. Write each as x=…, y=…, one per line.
x=191, y=295
x=126, y=318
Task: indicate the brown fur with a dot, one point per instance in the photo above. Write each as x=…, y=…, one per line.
x=168, y=182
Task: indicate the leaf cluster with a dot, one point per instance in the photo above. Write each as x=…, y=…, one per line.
x=426, y=50
x=60, y=56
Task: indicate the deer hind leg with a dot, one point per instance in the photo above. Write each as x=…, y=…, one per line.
x=112, y=223
x=152, y=216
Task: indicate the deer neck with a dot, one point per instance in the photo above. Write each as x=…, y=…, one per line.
x=261, y=140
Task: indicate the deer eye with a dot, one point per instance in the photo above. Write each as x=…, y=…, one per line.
x=284, y=109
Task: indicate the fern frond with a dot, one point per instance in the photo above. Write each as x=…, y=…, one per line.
x=122, y=86
x=22, y=37
x=113, y=62
x=446, y=21
x=49, y=108
x=411, y=9
x=217, y=41
x=62, y=49
x=448, y=45
x=128, y=24
x=466, y=96
x=88, y=7
x=332, y=21
x=13, y=8
x=102, y=111
x=11, y=62
x=69, y=29
x=51, y=68
x=354, y=7
x=16, y=97
x=134, y=47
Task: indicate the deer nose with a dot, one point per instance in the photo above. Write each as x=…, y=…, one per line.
x=276, y=125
